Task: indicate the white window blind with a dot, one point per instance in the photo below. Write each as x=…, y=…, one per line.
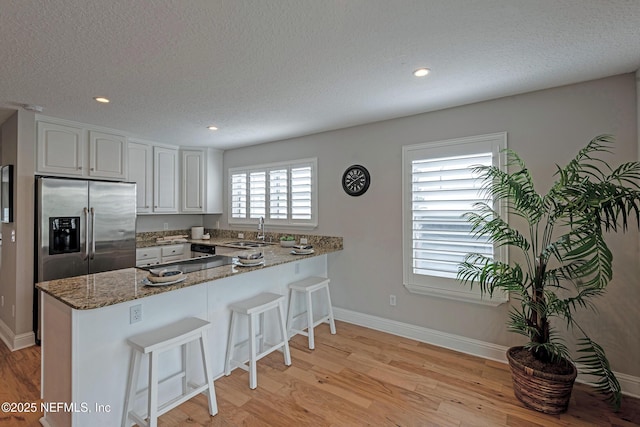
x=439, y=187
x=301, y=197
x=278, y=194
x=282, y=193
x=443, y=189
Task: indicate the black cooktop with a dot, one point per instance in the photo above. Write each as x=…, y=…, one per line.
x=191, y=265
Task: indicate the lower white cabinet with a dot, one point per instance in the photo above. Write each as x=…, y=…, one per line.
x=148, y=256
x=154, y=255
x=175, y=252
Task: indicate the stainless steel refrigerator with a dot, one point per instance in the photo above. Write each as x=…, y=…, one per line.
x=83, y=227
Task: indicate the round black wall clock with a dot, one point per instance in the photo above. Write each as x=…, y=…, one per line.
x=356, y=180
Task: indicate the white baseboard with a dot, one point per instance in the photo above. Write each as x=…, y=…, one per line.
x=16, y=342
x=630, y=384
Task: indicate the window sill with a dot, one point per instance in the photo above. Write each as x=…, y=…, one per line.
x=463, y=296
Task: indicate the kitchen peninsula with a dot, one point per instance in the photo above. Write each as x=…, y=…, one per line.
x=86, y=321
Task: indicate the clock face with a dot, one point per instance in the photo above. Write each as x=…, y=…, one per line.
x=356, y=180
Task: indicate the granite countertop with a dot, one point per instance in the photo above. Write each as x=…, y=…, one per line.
x=113, y=287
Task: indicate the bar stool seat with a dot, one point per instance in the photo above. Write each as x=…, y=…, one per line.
x=307, y=287
x=255, y=308
x=178, y=334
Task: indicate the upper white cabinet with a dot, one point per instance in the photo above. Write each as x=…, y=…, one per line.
x=60, y=149
x=141, y=172
x=67, y=150
x=107, y=155
x=201, y=184
x=165, y=180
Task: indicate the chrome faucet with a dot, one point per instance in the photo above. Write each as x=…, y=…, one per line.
x=261, y=235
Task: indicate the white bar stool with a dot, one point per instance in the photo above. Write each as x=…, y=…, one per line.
x=309, y=286
x=153, y=343
x=254, y=307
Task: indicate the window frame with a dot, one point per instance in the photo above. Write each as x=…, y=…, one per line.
x=266, y=168
x=441, y=287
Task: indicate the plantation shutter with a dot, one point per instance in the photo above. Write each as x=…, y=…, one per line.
x=301, y=189
x=257, y=194
x=283, y=193
x=442, y=190
x=278, y=194
x=239, y=195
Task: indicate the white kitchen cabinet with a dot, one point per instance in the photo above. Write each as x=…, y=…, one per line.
x=148, y=256
x=165, y=180
x=141, y=172
x=175, y=252
x=201, y=189
x=77, y=151
x=107, y=155
x=60, y=149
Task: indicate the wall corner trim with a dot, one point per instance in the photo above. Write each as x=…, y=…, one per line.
x=16, y=342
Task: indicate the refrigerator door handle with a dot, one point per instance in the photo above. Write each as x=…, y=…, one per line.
x=86, y=233
x=93, y=233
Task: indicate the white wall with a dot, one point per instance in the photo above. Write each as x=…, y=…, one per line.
x=544, y=127
x=147, y=223
x=16, y=280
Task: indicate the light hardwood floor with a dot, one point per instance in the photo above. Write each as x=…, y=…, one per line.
x=357, y=377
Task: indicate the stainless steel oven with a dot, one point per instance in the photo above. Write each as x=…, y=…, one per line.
x=199, y=251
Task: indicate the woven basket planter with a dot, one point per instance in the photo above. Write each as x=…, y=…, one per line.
x=548, y=393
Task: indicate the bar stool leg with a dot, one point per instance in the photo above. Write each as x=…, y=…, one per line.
x=213, y=405
x=332, y=323
x=292, y=294
x=285, y=337
x=153, y=389
x=230, y=344
x=312, y=343
x=130, y=397
x=253, y=373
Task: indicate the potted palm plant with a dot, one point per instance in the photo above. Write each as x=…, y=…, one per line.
x=563, y=263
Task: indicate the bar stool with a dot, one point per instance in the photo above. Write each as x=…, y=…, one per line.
x=155, y=342
x=308, y=286
x=254, y=308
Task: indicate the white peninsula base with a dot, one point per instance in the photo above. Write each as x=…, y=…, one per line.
x=85, y=357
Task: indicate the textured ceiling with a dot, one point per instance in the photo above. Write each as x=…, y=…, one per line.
x=264, y=70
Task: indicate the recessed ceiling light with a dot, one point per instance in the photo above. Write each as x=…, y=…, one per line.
x=212, y=128
x=421, y=72
x=102, y=99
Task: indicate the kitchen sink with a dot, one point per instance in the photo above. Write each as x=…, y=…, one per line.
x=247, y=244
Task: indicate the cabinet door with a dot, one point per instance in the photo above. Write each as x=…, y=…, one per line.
x=213, y=181
x=141, y=172
x=193, y=176
x=107, y=155
x=60, y=149
x=165, y=180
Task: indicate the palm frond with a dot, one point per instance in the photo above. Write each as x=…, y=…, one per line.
x=595, y=363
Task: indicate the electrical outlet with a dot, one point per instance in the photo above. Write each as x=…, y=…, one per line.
x=166, y=226
x=303, y=240
x=218, y=224
x=135, y=313
x=240, y=235
x=296, y=268
x=392, y=300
